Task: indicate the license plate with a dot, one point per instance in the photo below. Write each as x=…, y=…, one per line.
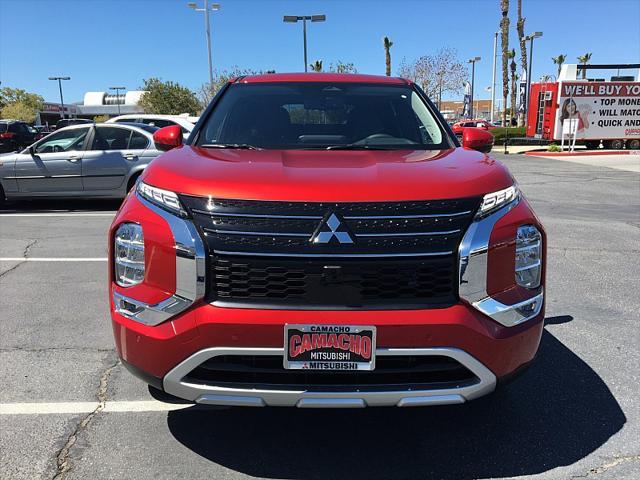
x=329, y=347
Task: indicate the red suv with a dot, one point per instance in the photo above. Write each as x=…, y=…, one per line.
x=323, y=240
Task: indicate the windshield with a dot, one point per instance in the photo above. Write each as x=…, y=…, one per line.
x=321, y=115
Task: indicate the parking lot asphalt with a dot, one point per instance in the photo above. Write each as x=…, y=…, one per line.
x=68, y=409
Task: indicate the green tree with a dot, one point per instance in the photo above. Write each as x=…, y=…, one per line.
x=316, y=66
x=584, y=59
x=514, y=77
x=387, y=55
x=12, y=95
x=168, y=98
x=559, y=60
x=21, y=104
x=523, y=51
x=18, y=111
x=101, y=118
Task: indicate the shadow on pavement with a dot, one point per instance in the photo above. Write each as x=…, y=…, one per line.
x=554, y=415
x=60, y=205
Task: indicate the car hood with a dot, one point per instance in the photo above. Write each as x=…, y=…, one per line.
x=333, y=176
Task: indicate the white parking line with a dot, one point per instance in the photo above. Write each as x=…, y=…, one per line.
x=66, y=214
x=52, y=259
x=88, y=407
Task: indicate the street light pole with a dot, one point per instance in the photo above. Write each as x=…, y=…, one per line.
x=493, y=77
x=207, y=28
x=472, y=61
x=59, y=79
x=304, y=18
x=117, y=89
x=304, y=40
x=528, y=87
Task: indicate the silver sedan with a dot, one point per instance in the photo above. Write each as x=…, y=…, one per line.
x=91, y=160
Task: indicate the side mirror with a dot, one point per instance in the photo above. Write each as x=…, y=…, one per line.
x=477, y=139
x=167, y=138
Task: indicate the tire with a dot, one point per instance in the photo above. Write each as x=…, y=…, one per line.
x=616, y=144
x=3, y=199
x=633, y=144
x=592, y=144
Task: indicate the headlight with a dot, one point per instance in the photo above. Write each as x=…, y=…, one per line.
x=128, y=252
x=493, y=201
x=528, y=256
x=163, y=198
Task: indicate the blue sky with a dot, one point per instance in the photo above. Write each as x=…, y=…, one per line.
x=102, y=43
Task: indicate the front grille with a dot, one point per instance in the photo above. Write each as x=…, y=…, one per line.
x=332, y=255
x=348, y=283
x=392, y=372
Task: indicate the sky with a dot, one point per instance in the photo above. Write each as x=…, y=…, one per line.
x=103, y=43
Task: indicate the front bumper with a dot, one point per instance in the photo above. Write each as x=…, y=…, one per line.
x=169, y=351
x=165, y=335
x=175, y=384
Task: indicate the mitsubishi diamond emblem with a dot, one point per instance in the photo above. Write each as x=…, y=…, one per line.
x=330, y=228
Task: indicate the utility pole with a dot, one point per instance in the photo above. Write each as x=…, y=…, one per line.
x=207, y=28
x=528, y=99
x=472, y=61
x=304, y=18
x=59, y=79
x=117, y=89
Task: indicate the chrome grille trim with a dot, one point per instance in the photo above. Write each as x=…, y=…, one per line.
x=393, y=217
x=331, y=255
x=256, y=215
x=286, y=234
x=259, y=234
x=407, y=234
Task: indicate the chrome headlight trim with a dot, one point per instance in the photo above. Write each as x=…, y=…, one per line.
x=165, y=199
x=472, y=258
x=511, y=315
x=494, y=201
x=190, y=274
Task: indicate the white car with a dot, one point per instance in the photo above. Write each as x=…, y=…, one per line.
x=185, y=122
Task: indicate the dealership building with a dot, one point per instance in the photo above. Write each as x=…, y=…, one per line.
x=93, y=105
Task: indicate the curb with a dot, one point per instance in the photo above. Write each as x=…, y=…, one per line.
x=582, y=153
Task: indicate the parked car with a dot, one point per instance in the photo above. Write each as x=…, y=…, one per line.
x=15, y=134
x=79, y=161
x=67, y=122
x=459, y=127
x=186, y=126
x=42, y=131
x=323, y=241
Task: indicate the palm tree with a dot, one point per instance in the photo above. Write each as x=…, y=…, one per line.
x=504, y=27
x=316, y=66
x=559, y=60
x=387, y=54
x=514, y=77
x=523, y=51
x=584, y=59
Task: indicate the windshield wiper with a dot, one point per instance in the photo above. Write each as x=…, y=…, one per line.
x=244, y=146
x=359, y=146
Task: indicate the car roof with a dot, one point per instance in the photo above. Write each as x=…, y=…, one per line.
x=142, y=126
x=130, y=125
x=321, y=77
x=150, y=116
